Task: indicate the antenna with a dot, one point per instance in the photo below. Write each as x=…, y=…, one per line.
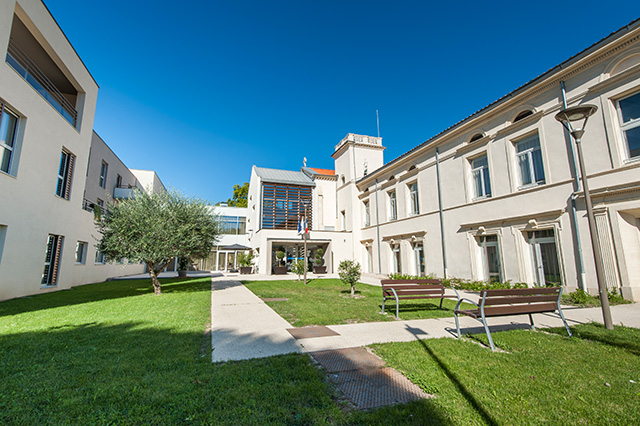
x=378, y=120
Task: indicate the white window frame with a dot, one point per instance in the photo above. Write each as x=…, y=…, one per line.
x=52, y=260
x=478, y=172
x=393, y=205
x=624, y=127
x=417, y=248
x=3, y=143
x=104, y=170
x=414, y=198
x=100, y=258
x=81, y=249
x=529, y=154
x=396, y=260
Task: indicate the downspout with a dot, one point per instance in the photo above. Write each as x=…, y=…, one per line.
x=444, y=251
x=378, y=231
x=574, y=217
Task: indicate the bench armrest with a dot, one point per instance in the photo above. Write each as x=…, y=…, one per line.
x=462, y=299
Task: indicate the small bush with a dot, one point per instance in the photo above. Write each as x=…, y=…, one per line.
x=349, y=272
x=297, y=268
x=462, y=284
x=584, y=299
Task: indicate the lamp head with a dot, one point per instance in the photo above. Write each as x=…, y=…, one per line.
x=576, y=113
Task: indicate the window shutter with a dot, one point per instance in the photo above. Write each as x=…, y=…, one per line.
x=56, y=260
x=67, y=189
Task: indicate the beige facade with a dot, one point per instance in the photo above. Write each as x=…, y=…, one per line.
x=50, y=159
x=511, y=208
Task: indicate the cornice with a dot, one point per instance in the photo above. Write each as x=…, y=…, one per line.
x=513, y=219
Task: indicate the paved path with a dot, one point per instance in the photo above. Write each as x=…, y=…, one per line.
x=244, y=327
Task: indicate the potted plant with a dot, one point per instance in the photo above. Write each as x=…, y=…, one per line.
x=319, y=260
x=245, y=260
x=183, y=266
x=280, y=269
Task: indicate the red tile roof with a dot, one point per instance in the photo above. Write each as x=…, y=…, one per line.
x=325, y=172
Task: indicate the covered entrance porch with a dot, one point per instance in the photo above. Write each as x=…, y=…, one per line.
x=293, y=250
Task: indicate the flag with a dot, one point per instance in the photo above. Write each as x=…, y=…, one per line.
x=300, y=226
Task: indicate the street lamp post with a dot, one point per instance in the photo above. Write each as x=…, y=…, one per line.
x=566, y=117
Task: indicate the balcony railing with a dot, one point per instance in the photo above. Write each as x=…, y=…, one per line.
x=123, y=193
x=352, y=137
x=24, y=66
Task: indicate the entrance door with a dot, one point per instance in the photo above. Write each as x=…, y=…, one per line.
x=544, y=254
x=490, y=257
x=418, y=251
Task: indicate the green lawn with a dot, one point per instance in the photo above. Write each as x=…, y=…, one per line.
x=328, y=302
x=115, y=354
x=544, y=378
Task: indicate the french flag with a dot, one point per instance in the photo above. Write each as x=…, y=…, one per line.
x=302, y=227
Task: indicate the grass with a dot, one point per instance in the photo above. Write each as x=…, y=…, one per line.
x=115, y=354
x=328, y=302
x=544, y=378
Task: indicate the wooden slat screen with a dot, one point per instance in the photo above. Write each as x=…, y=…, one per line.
x=283, y=205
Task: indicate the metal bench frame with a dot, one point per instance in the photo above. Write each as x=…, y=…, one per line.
x=510, y=293
x=429, y=287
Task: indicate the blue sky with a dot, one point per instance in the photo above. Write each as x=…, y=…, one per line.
x=200, y=91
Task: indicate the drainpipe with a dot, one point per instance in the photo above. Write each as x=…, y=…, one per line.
x=574, y=217
x=378, y=231
x=444, y=251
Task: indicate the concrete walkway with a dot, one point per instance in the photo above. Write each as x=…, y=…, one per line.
x=244, y=327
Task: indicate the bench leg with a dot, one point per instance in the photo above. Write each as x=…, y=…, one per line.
x=383, y=300
x=486, y=328
x=564, y=320
x=457, y=323
x=441, y=300
x=533, y=326
x=397, y=309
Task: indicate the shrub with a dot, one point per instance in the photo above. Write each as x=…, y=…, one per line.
x=349, y=273
x=319, y=259
x=297, y=268
x=246, y=259
x=462, y=284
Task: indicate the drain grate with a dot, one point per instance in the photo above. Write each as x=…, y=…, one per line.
x=309, y=332
x=365, y=381
x=347, y=360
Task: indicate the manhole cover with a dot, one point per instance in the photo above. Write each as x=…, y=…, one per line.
x=347, y=359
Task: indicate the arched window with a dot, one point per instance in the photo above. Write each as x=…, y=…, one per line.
x=476, y=137
x=392, y=177
x=523, y=114
x=413, y=166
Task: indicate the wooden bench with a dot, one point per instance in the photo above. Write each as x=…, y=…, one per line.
x=412, y=289
x=497, y=303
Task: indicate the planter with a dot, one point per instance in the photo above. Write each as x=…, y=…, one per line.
x=245, y=270
x=280, y=270
x=182, y=274
x=319, y=269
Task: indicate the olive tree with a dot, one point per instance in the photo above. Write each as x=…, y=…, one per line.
x=349, y=273
x=155, y=228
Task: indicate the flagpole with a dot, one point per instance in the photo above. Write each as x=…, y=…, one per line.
x=304, y=237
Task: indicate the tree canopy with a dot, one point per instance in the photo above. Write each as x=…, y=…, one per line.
x=155, y=228
x=240, y=195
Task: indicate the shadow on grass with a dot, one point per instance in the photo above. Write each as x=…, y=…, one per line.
x=99, y=291
x=477, y=406
x=624, y=337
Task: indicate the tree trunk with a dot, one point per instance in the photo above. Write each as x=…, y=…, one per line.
x=154, y=280
x=353, y=290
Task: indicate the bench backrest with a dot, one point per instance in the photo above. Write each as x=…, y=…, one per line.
x=413, y=287
x=520, y=300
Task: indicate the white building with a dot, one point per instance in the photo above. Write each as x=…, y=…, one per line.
x=511, y=207
x=233, y=240
x=53, y=167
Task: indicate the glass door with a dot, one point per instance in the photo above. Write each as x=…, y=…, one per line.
x=490, y=257
x=418, y=251
x=544, y=253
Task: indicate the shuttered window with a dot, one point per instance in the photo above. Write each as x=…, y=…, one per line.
x=283, y=205
x=65, y=174
x=8, y=125
x=52, y=260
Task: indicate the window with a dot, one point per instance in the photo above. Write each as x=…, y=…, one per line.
x=8, y=126
x=81, y=253
x=119, y=182
x=103, y=174
x=52, y=260
x=529, y=158
x=418, y=252
x=395, y=251
x=65, y=173
x=546, y=267
x=393, y=206
x=490, y=257
x=414, y=206
x=3, y=233
x=523, y=114
x=367, y=214
x=283, y=205
x=233, y=225
x=476, y=137
x=630, y=123
x=100, y=258
x=481, y=181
